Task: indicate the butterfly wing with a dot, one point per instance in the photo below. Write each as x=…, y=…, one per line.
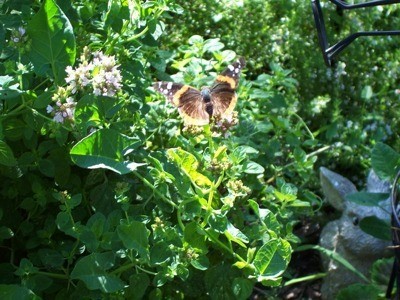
x=223, y=95
x=188, y=100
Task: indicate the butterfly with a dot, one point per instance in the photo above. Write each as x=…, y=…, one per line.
x=197, y=107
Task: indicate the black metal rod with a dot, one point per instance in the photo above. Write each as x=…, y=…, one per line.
x=344, y=5
x=331, y=52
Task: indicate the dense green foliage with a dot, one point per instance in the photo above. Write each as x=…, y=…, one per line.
x=352, y=103
x=105, y=192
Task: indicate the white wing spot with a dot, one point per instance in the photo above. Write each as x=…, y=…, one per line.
x=237, y=70
x=231, y=68
x=165, y=92
x=169, y=85
x=159, y=85
x=161, y=90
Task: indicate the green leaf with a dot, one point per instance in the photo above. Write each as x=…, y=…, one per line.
x=97, y=224
x=252, y=167
x=160, y=253
x=218, y=280
x=376, y=227
x=13, y=291
x=189, y=164
x=182, y=271
x=201, y=262
x=240, y=153
x=138, y=284
x=235, y=235
x=135, y=236
x=366, y=92
x=53, y=41
x=91, y=270
x=161, y=278
x=6, y=155
x=50, y=258
x=242, y=288
x=46, y=167
x=8, y=88
x=5, y=233
x=105, y=149
x=218, y=222
x=26, y=268
x=366, y=198
x=87, y=113
x=89, y=239
x=195, y=39
x=38, y=282
x=193, y=237
x=64, y=222
x=359, y=291
x=13, y=129
x=213, y=45
x=380, y=269
x=385, y=161
x=272, y=258
x=92, y=111
x=113, y=13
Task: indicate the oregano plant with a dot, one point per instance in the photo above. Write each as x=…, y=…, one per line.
x=105, y=192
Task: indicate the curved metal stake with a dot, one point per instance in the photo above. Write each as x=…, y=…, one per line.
x=330, y=52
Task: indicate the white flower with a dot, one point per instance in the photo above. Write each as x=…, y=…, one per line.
x=62, y=111
x=58, y=117
x=101, y=74
x=21, y=31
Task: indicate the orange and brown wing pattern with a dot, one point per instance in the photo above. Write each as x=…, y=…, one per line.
x=188, y=100
x=223, y=102
x=197, y=107
x=223, y=95
x=231, y=74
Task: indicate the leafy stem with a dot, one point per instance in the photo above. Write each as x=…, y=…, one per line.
x=155, y=191
x=208, y=133
x=222, y=245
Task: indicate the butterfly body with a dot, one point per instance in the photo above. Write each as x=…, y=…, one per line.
x=197, y=107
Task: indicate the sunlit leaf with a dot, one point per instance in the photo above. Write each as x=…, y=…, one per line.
x=235, y=235
x=189, y=164
x=53, y=41
x=135, y=236
x=272, y=258
x=105, y=149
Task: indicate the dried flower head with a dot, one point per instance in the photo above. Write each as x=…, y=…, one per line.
x=222, y=125
x=217, y=165
x=237, y=188
x=193, y=130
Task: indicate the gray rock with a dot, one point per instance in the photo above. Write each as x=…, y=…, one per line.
x=345, y=237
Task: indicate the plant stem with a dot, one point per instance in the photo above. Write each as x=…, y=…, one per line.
x=305, y=278
x=151, y=186
x=53, y=275
x=305, y=125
